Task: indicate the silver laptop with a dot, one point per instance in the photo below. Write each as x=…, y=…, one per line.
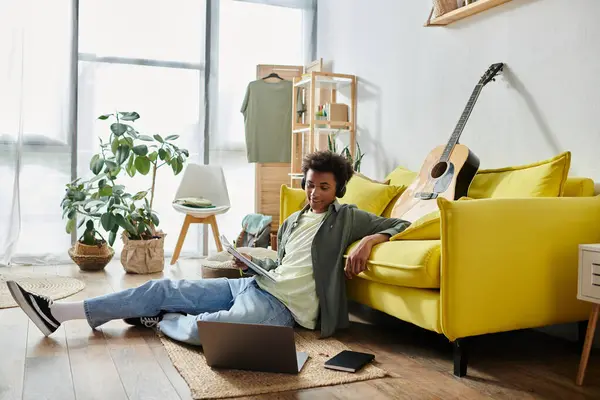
x=253, y=347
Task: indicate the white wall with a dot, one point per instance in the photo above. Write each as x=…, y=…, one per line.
x=415, y=81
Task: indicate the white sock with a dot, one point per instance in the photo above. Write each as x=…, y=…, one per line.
x=67, y=310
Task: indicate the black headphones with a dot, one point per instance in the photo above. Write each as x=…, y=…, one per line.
x=339, y=191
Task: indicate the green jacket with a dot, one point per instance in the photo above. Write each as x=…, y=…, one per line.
x=343, y=225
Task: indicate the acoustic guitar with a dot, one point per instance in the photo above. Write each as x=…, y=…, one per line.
x=448, y=170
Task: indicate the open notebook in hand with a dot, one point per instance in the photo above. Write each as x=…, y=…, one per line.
x=253, y=266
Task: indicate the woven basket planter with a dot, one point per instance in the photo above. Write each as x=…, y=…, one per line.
x=91, y=257
x=441, y=7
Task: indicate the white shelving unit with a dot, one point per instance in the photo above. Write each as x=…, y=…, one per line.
x=309, y=133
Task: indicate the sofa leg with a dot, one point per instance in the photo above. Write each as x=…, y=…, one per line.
x=460, y=358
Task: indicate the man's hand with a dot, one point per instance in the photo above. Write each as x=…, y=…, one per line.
x=239, y=264
x=357, y=259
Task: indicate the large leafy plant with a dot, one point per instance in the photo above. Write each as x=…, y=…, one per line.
x=100, y=200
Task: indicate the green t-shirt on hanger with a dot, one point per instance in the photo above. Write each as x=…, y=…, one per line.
x=267, y=110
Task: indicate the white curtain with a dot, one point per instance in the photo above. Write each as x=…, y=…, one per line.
x=63, y=63
x=36, y=70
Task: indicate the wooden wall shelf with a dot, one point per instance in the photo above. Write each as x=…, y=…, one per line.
x=464, y=12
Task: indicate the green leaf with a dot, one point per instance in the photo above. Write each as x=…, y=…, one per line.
x=118, y=128
x=159, y=138
x=101, y=183
x=140, y=195
x=115, y=172
x=172, y=137
x=129, y=116
x=93, y=203
x=121, y=207
x=145, y=138
x=95, y=178
x=72, y=214
x=142, y=164
x=80, y=223
x=78, y=196
x=174, y=165
x=110, y=165
x=122, y=153
x=114, y=145
x=117, y=200
x=106, y=191
x=125, y=224
x=130, y=168
x=184, y=151
x=118, y=189
x=108, y=221
x=111, y=237
x=70, y=225
x=140, y=150
x=96, y=164
x=105, y=116
x=152, y=156
x=154, y=218
x=89, y=224
x=163, y=154
x=141, y=227
x=127, y=141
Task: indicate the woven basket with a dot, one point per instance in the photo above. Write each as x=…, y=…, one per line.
x=91, y=258
x=441, y=7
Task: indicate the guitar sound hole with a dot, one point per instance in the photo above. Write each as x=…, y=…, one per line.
x=439, y=169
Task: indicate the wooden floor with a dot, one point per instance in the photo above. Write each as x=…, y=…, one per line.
x=120, y=362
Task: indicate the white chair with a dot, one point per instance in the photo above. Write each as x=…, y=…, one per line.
x=207, y=181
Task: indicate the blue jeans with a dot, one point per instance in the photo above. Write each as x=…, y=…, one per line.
x=225, y=300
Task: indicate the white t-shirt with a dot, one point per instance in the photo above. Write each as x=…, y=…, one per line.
x=295, y=285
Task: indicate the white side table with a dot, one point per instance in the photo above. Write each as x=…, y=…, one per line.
x=588, y=289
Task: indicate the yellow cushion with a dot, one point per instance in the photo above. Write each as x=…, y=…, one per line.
x=425, y=228
x=290, y=201
x=541, y=179
x=368, y=195
x=414, y=263
x=401, y=176
x=579, y=187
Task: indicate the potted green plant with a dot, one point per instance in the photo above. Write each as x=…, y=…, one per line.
x=354, y=161
x=91, y=251
x=128, y=151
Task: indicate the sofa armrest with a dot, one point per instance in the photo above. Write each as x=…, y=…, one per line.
x=510, y=264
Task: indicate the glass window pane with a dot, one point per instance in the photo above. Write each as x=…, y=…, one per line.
x=149, y=29
x=168, y=101
x=249, y=34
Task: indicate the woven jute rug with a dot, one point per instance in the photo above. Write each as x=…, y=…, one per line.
x=208, y=383
x=53, y=286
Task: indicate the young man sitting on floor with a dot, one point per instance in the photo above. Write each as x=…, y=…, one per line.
x=310, y=269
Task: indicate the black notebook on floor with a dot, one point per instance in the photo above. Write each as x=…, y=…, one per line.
x=350, y=361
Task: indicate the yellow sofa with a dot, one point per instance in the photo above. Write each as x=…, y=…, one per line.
x=491, y=264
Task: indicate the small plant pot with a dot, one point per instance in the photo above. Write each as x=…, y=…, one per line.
x=143, y=256
x=91, y=257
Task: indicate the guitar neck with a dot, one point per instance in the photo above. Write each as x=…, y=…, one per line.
x=461, y=123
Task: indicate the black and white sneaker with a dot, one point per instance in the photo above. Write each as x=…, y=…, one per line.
x=148, y=322
x=36, y=307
